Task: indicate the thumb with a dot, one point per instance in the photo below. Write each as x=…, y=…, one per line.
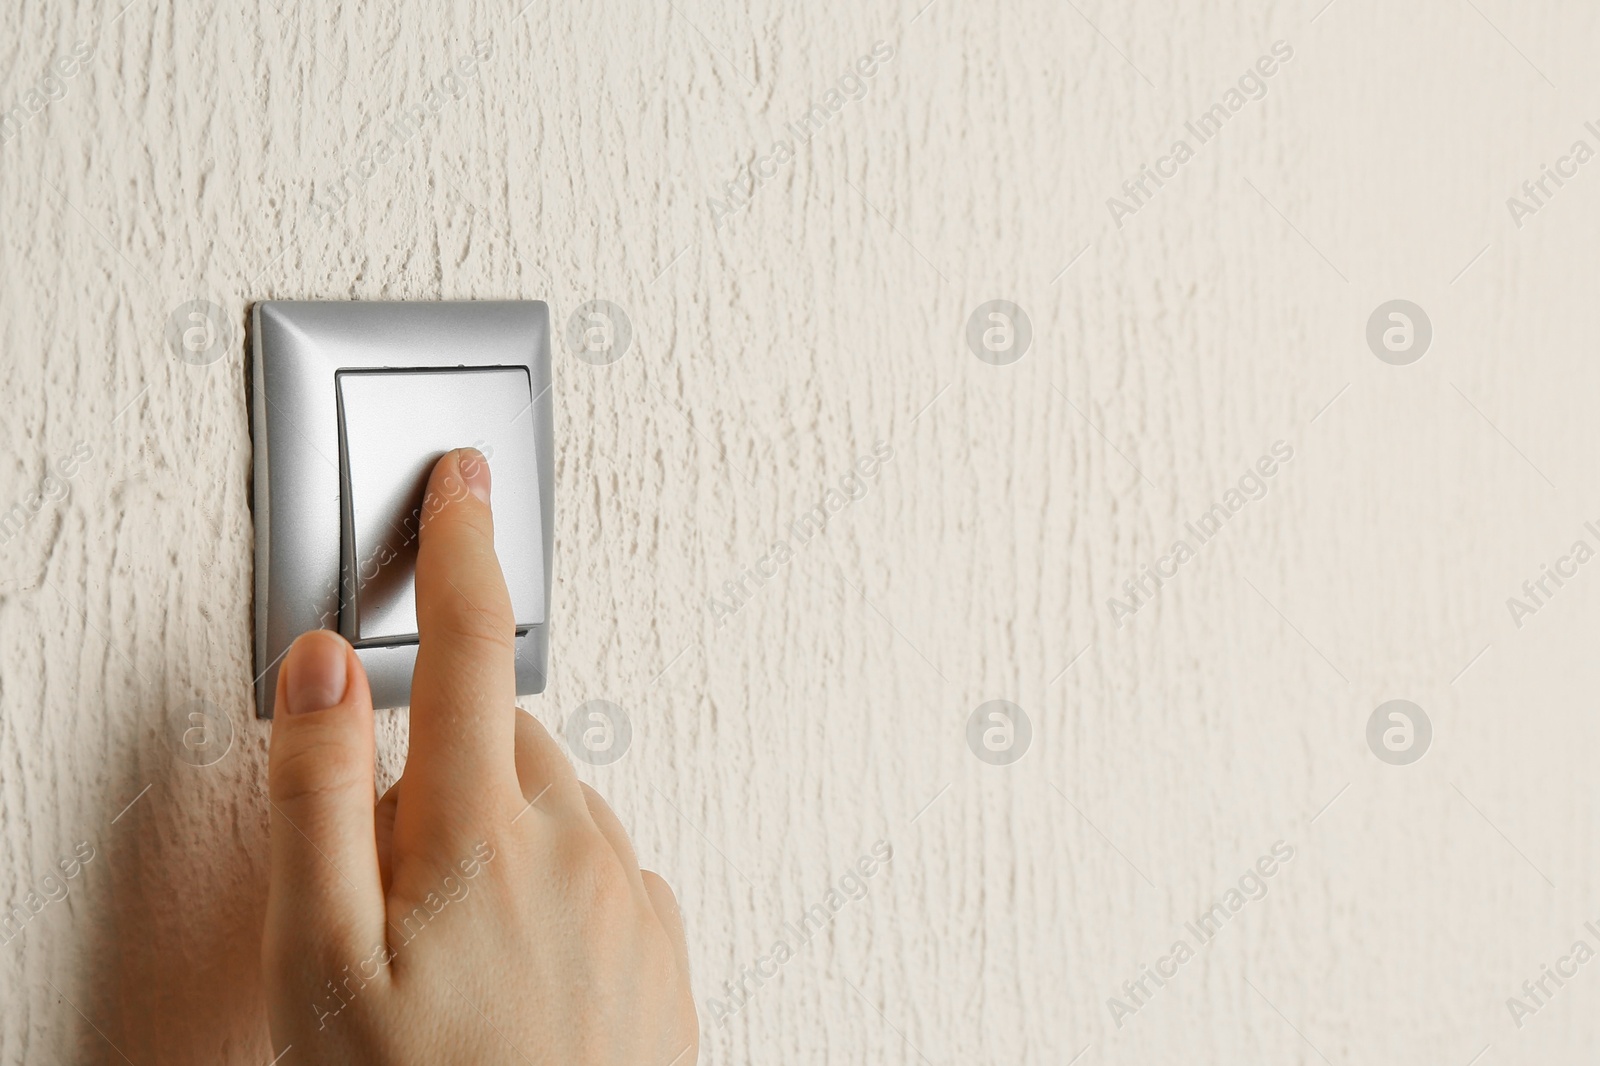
x=325, y=899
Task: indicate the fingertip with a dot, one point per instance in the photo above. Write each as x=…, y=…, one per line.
x=324, y=712
x=457, y=474
x=321, y=671
x=455, y=508
x=473, y=466
x=316, y=672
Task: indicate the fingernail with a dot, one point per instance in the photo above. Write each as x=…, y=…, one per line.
x=474, y=471
x=317, y=672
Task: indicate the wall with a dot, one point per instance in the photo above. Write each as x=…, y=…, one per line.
x=219, y=155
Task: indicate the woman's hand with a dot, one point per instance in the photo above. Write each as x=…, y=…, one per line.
x=489, y=908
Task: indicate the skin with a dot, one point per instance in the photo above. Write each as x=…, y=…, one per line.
x=489, y=908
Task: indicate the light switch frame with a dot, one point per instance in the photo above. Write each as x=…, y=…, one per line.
x=297, y=350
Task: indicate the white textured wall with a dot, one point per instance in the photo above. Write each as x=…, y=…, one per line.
x=185, y=159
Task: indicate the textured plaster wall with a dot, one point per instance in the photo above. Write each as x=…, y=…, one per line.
x=216, y=154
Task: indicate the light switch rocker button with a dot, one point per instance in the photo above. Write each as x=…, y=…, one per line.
x=393, y=426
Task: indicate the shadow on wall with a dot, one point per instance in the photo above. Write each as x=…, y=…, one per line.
x=175, y=966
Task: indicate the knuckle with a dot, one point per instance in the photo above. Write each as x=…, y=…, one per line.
x=660, y=893
x=462, y=623
x=656, y=883
x=596, y=877
x=305, y=773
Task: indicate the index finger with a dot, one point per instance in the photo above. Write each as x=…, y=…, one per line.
x=464, y=687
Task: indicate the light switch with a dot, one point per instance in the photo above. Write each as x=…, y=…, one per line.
x=394, y=425
x=352, y=401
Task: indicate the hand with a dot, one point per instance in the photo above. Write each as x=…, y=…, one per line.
x=490, y=909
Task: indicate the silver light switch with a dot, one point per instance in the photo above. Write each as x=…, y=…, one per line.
x=394, y=425
x=351, y=404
